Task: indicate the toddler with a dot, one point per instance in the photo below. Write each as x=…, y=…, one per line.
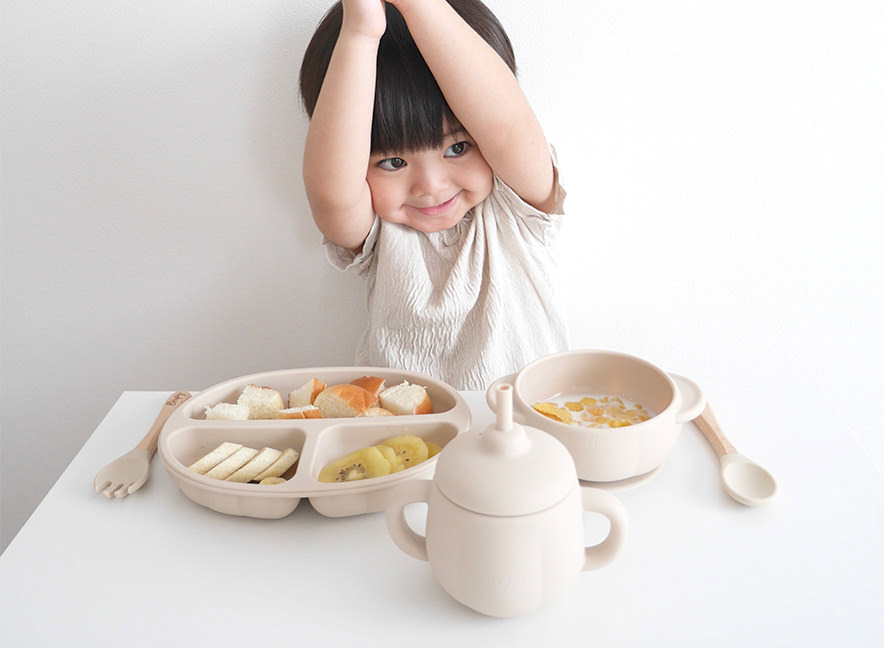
x=426, y=170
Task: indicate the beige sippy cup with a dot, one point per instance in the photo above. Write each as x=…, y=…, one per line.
x=504, y=531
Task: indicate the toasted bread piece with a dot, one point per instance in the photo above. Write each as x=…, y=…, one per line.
x=304, y=412
x=263, y=402
x=345, y=400
x=406, y=398
x=378, y=411
x=372, y=384
x=227, y=412
x=306, y=393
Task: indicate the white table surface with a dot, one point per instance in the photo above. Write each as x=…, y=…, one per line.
x=155, y=569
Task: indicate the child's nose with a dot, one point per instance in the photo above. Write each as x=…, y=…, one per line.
x=429, y=179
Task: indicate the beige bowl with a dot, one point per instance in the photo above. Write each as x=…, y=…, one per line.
x=187, y=436
x=607, y=454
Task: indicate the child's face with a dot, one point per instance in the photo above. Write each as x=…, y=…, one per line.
x=430, y=190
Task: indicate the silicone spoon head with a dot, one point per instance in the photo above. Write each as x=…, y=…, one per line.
x=746, y=481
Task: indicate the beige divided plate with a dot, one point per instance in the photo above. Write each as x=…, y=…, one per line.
x=187, y=436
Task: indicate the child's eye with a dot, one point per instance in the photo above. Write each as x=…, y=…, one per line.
x=391, y=164
x=458, y=149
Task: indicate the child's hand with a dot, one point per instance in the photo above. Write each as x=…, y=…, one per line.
x=337, y=147
x=365, y=17
x=485, y=96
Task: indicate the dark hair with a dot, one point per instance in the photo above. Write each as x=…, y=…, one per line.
x=409, y=108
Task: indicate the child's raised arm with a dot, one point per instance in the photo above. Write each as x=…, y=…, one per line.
x=484, y=95
x=338, y=144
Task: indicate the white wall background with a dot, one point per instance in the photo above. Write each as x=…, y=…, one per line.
x=724, y=162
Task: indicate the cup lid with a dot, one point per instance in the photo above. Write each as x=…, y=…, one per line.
x=505, y=469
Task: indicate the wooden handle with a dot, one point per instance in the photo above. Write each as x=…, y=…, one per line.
x=149, y=442
x=708, y=425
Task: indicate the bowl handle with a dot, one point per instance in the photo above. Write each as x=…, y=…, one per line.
x=693, y=401
x=599, y=501
x=408, y=492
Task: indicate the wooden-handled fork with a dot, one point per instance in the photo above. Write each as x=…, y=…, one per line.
x=127, y=474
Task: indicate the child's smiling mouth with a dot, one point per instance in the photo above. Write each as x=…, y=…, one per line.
x=438, y=210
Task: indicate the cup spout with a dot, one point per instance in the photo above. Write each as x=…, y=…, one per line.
x=504, y=437
x=504, y=407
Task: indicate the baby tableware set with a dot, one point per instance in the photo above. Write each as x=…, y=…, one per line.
x=505, y=502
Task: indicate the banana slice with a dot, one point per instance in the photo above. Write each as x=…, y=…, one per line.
x=216, y=456
x=270, y=481
x=233, y=463
x=410, y=449
x=261, y=462
x=362, y=464
x=285, y=461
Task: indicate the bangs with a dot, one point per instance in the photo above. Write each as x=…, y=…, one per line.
x=410, y=112
x=409, y=108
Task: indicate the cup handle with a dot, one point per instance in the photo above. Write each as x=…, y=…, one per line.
x=408, y=492
x=693, y=401
x=599, y=501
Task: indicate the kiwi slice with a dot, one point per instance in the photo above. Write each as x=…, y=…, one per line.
x=410, y=449
x=362, y=464
x=432, y=449
x=390, y=455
